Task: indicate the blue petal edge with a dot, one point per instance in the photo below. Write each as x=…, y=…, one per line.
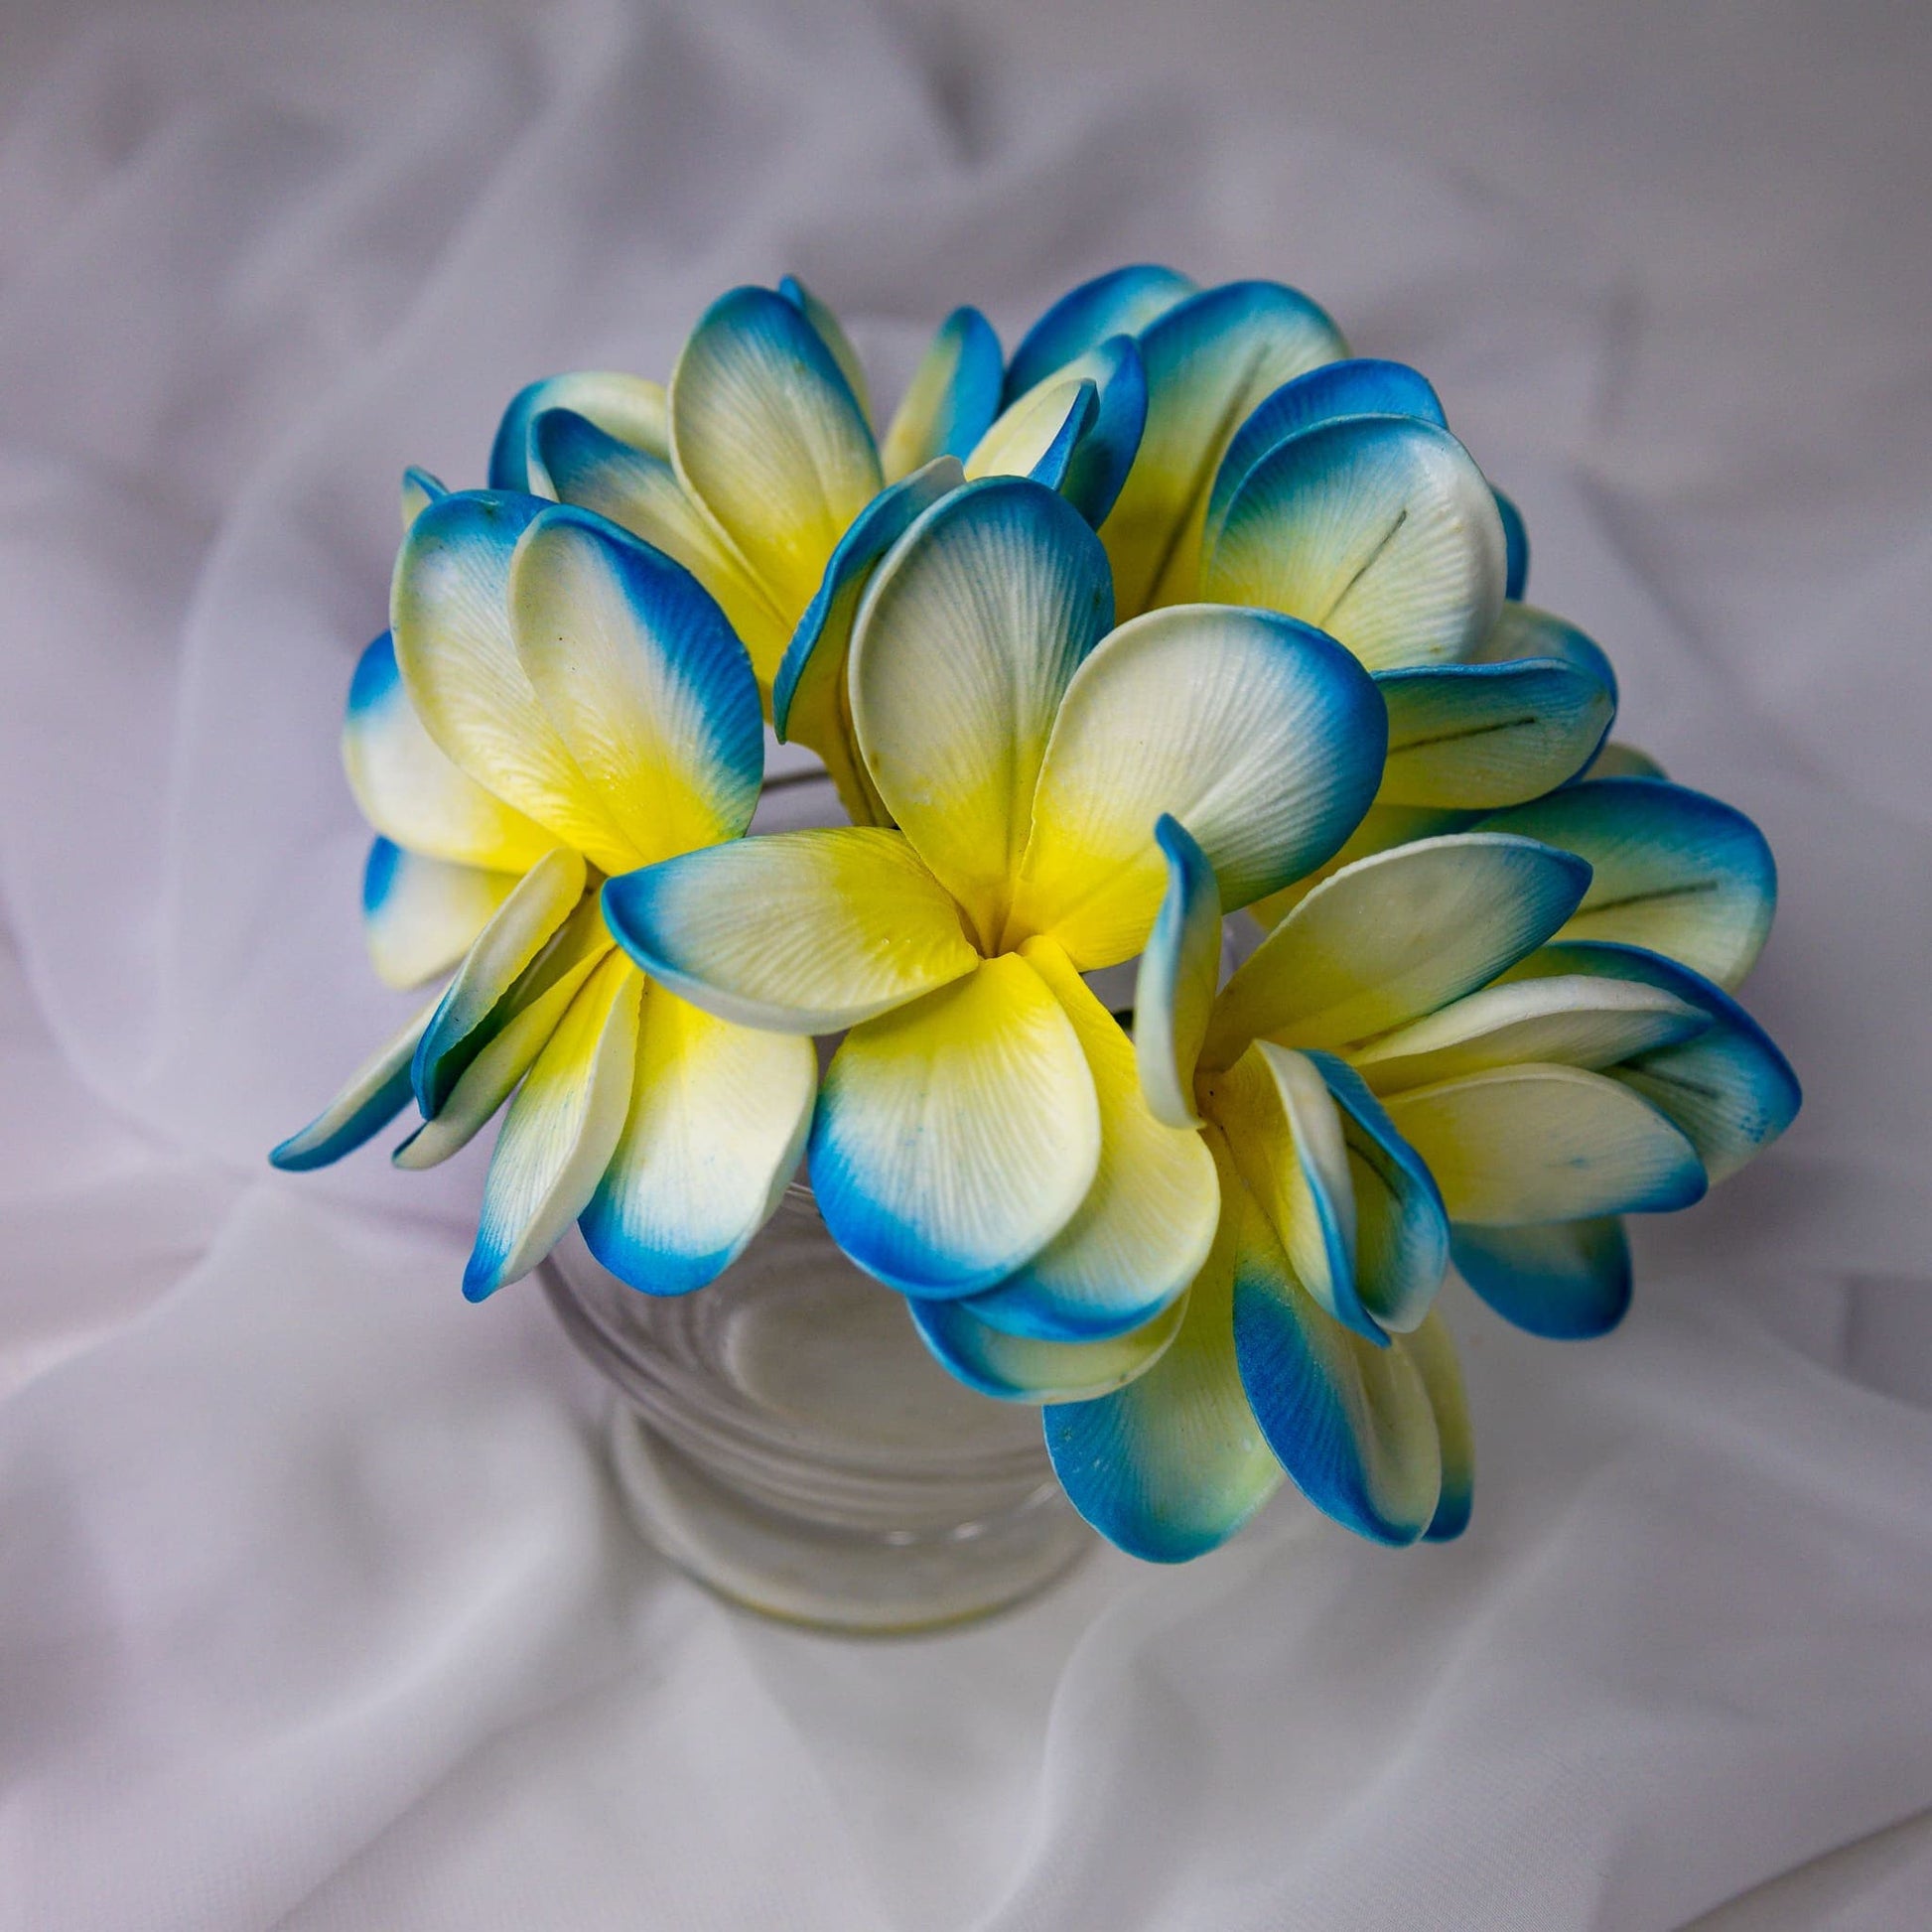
x=687, y=626
x=1371, y=1118
x=1055, y=462
x=1105, y=450
x=1124, y=300
x=1362, y=387
x=876, y=528
x=1565, y=1281
x=336, y=1130
x=1191, y=891
x=973, y=401
x=377, y=680
x=1776, y=1091
x=1516, y=546
x=1296, y=1404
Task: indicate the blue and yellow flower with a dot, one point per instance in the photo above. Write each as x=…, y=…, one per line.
x=760, y=471
x=556, y=702
x=1184, y=611
x=1491, y=1045
x=1275, y=472
x=1221, y=441
x=981, y=1141
x=746, y=470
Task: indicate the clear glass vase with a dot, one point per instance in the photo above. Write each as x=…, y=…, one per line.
x=784, y=1437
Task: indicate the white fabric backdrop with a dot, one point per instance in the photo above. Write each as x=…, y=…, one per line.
x=313, y=1609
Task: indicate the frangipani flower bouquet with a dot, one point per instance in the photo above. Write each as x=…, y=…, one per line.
x=1178, y=636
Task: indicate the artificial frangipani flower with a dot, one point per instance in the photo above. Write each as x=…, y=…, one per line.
x=980, y=1134
x=1490, y=1045
x=1220, y=441
x=559, y=701
x=1273, y=470
x=500, y=798
x=758, y=463
x=1366, y=1095
x=1488, y=1018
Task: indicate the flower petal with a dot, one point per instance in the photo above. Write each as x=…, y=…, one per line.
x=1541, y=1143
x=640, y=492
x=449, y=611
x=1351, y=1423
x=1038, y=434
x=1395, y=936
x=1383, y=827
x=409, y=790
x=1024, y=1368
x=1402, y=1235
x=492, y=1075
x=1122, y=302
x=1143, y=1231
x=1674, y=872
x=963, y=648
x=1173, y=992
x=1617, y=760
x=831, y=331
x=628, y=408
x=1260, y=736
x=718, y=1120
x=1285, y=1133
x=1434, y=1354
x=1725, y=1085
x=1209, y=361
x=1095, y=462
x=768, y=435
x=1567, y=1281
x=643, y=678
x=1516, y=548
x=1358, y=387
x=560, y=1131
x=1572, y=1021
x=1467, y=735
x=804, y=932
x=952, y=399
x=810, y=704
x=1103, y=457
x=377, y=1092
x=526, y=923
x=957, y=1136
x=419, y=491
x=1378, y=528
x=419, y=915
x=1521, y=632
x=1354, y=1208
x=1173, y=1464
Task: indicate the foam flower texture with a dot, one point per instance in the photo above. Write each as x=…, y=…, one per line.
x=1454, y=1047
x=557, y=701
x=1170, y=429
x=1491, y=1017
x=981, y=1138
x=1274, y=470
x=762, y=454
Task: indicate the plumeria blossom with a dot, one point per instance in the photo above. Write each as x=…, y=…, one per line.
x=1491, y=1045
x=1221, y=439
x=556, y=702
x=758, y=468
x=1275, y=472
x=981, y=1141
x=1182, y=611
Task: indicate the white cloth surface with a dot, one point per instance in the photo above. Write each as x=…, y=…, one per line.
x=315, y=1607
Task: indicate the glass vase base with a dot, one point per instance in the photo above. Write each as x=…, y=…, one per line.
x=784, y=1437
x=860, y=1582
